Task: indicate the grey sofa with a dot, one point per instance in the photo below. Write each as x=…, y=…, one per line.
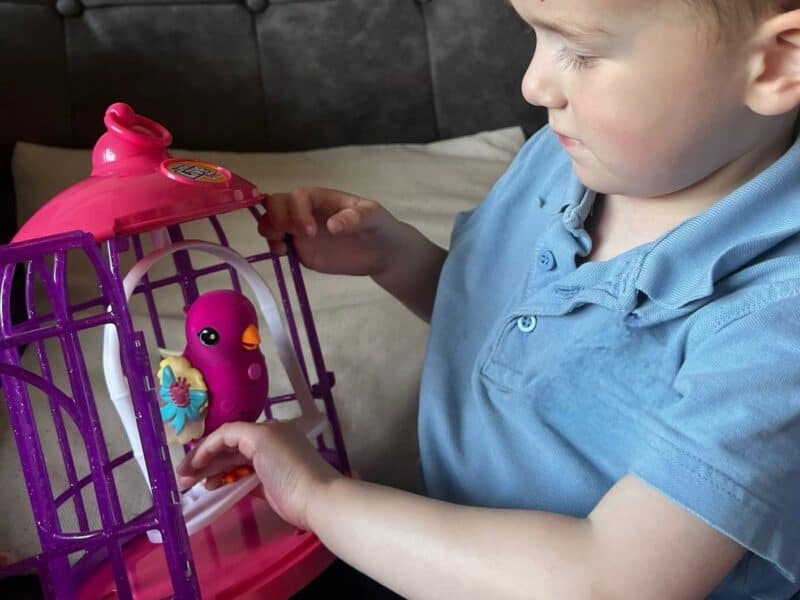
x=263, y=74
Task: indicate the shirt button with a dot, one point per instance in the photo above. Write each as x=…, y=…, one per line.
x=526, y=324
x=545, y=260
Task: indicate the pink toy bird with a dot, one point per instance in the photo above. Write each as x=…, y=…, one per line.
x=221, y=376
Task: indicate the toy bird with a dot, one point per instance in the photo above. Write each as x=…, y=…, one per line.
x=221, y=375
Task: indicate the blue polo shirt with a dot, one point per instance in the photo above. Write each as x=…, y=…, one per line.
x=677, y=361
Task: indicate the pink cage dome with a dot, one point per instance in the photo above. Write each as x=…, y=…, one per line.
x=135, y=186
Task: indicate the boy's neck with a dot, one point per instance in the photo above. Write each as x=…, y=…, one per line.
x=619, y=223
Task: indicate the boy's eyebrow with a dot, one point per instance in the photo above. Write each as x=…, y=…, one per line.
x=570, y=30
x=565, y=30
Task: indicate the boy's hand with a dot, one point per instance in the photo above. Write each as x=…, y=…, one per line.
x=333, y=232
x=290, y=469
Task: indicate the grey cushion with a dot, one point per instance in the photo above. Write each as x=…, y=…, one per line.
x=263, y=75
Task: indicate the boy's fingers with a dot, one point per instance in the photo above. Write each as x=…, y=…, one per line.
x=214, y=482
x=325, y=202
x=322, y=197
x=275, y=239
x=277, y=247
x=301, y=214
x=353, y=219
x=266, y=229
x=289, y=213
x=342, y=221
x=186, y=483
x=297, y=212
x=238, y=436
x=200, y=458
x=221, y=463
x=276, y=217
x=184, y=467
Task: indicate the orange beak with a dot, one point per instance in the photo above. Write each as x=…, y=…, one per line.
x=250, y=338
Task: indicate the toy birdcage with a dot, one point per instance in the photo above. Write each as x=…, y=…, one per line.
x=145, y=223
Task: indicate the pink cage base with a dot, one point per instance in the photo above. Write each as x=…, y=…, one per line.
x=261, y=556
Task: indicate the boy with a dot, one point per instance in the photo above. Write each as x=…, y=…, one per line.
x=620, y=415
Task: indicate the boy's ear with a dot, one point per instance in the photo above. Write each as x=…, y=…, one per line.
x=774, y=83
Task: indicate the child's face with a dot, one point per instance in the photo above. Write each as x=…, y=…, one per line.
x=652, y=103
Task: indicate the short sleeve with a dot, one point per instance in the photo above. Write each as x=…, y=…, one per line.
x=727, y=448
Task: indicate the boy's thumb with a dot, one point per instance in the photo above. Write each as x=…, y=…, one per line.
x=344, y=220
x=335, y=225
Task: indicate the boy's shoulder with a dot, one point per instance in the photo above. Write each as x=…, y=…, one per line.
x=737, y=257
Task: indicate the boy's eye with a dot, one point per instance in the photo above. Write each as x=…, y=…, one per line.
x=568, y=59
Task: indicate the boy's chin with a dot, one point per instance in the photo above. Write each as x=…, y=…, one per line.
x=595, y=181
x=603, y=184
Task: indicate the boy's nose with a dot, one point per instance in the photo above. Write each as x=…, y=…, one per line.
x=540, y=85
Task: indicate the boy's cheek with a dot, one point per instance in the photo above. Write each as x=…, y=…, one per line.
x=614, y=144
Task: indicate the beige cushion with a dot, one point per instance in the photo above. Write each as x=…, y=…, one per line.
x=373, y=345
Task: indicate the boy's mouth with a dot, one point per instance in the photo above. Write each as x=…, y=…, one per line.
x=568, y=142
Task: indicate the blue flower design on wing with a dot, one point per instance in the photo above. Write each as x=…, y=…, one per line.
x=184, y=399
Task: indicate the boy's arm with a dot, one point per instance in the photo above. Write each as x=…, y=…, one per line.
x=636, y=543
x=413, y=275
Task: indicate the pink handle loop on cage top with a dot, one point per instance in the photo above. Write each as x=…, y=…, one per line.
x=129, y=135
x=136, y=129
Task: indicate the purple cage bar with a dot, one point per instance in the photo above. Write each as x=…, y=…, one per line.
x=59, y=578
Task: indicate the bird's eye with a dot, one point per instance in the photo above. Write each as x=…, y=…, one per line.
x=208, y=336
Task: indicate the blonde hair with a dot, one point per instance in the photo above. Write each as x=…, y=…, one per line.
x=732, y=18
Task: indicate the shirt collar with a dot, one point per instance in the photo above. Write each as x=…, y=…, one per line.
x=684, y=264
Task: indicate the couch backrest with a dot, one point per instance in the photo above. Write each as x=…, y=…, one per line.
x=269, y=75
